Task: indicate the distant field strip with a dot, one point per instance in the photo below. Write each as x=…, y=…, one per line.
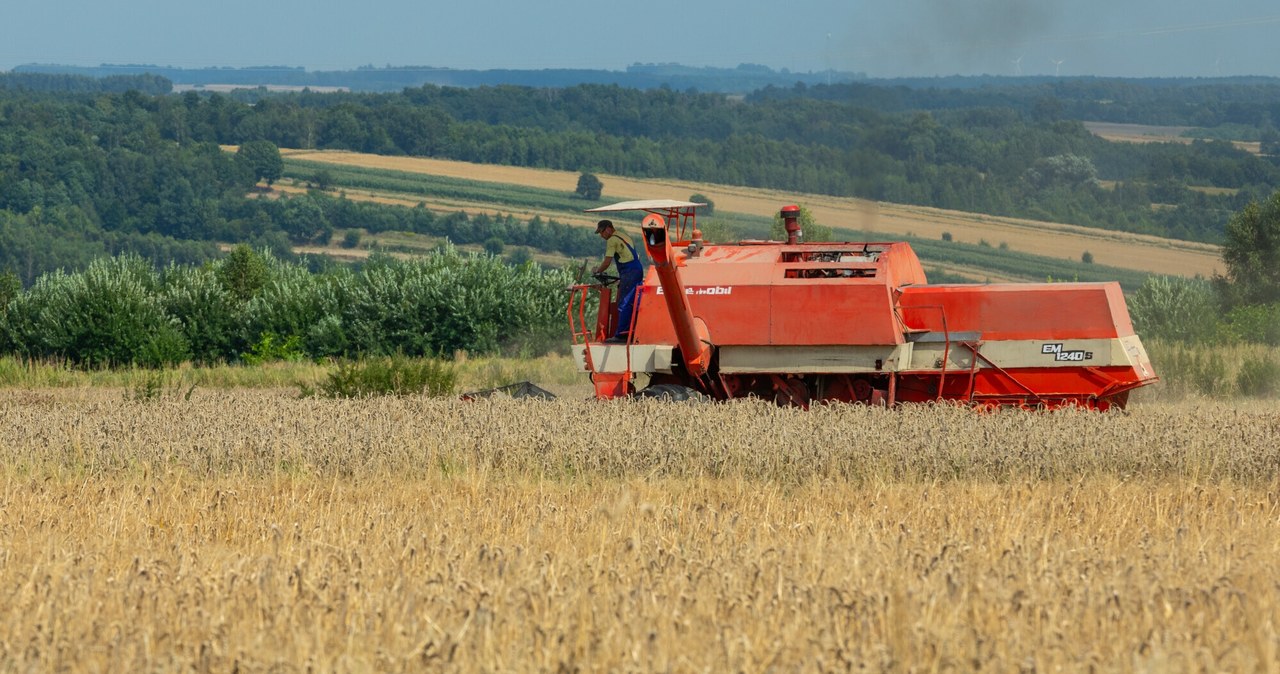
x=1143, y=133
x=1067, y=242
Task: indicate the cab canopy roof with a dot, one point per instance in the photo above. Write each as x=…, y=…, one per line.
x=650, y=205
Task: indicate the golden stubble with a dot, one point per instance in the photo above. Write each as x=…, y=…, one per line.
x=250, y=530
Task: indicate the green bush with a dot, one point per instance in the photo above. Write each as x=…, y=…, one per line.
x=1259, y=377
x=288, y=303
x=271, y=347
x=208, y=312
x=1175, y=308
x=109, y=315
x=395, y=375
x=1259, y=324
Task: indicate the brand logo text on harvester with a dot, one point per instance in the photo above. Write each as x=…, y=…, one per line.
x=709, y=290
x=1062, y=354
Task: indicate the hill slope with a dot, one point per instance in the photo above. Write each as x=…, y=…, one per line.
x=1137, y=252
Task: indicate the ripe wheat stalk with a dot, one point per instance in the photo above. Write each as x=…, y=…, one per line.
x=252, y=530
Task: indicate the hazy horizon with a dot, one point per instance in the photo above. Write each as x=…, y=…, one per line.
x=910, y=38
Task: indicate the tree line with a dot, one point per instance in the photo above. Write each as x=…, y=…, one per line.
x=980, y=159
x=1252, y=104
x=86, y=176
x=130, y=158
x=740, y=79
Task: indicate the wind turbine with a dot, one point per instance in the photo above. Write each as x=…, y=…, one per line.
x=828, y=58
x=1057, y=63
x=1017, y=66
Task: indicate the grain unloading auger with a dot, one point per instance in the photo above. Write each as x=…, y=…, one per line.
x=800, y=323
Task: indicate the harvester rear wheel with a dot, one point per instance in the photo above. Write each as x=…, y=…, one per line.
x=671, y=392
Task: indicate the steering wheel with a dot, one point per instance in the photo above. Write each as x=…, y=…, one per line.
x=605, y=279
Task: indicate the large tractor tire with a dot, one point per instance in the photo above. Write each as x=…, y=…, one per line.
x=672, y=392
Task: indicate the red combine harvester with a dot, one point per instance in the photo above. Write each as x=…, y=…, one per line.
x=801, y=323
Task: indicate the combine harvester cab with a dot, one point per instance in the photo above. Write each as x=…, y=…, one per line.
x=800, y=323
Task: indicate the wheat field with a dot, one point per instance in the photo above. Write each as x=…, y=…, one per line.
x=239, y=530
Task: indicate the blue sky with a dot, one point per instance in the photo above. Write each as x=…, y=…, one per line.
x=881, y=38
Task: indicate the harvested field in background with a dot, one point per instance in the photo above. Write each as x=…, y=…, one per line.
x=251, y=530
x=1144, y=133
x=1118, y=249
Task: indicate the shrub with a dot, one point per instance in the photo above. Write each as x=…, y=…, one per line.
x=1174, y=308
x=108, y=315
x=1259, y=323
x=271, y=347
x=207, y=312
x=395, y=375
x=1259, y=377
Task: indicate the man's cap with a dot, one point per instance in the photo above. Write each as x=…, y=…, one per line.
x=603, y=225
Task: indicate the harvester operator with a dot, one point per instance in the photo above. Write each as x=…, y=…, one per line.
x=618, y=250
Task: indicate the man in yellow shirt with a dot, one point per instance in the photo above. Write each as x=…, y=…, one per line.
x=619, y=251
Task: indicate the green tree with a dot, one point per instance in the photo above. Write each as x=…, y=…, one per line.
x=589, y=187
x=707, y=210
x=323, y=179
x=1251, y=253
x=243, y=272
x=264, y=158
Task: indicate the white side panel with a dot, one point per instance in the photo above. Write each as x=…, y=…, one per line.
x=613, y=357
x=828, y=359
x=1032, y=353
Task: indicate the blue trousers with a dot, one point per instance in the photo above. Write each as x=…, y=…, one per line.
x=629, y=279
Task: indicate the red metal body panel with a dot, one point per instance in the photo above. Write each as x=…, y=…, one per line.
x=833, y=314
x=747, y=295
x=1020, y=310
